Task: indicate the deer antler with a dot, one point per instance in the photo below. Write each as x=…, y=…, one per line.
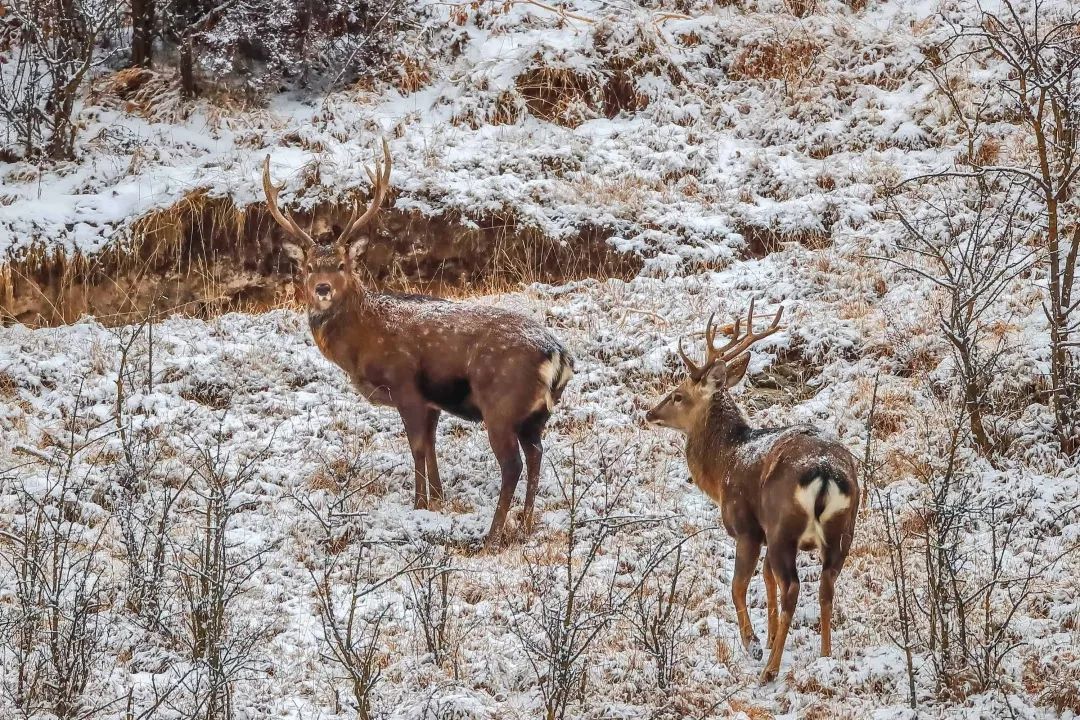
x=380, y=181
x=737, y=346
x=284, y=219
x=697, y=370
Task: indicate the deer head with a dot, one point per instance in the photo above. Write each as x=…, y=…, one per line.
x=723, y=368
x=326, y=271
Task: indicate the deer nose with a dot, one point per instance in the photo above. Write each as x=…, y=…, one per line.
x=650, y=416
x=322, y=289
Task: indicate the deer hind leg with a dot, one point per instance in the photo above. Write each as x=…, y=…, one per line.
x=782, y=560
x=434, y=482
x=747, y=550
x=530, y=437
x=504, y=443
x=832, y=562
x=770, y=601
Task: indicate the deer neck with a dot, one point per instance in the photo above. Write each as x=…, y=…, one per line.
x=328, y=325
x=711, y=445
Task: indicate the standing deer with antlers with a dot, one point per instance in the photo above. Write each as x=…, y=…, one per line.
x=790, y=488
x=424, y=355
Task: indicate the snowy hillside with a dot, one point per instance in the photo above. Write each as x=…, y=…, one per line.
x=740, y=152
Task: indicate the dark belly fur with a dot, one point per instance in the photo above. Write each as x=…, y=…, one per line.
x=454, y=396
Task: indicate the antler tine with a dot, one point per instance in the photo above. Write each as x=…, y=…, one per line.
x=752, y=337
x=695, y=371
x=380, y=181
x=284, y=219
x=716, y=353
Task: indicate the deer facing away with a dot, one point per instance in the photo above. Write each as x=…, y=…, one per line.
x=790, y=489
x=425, y=356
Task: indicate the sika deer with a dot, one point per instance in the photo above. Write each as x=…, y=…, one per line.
x=424, y=355
x=788, y=488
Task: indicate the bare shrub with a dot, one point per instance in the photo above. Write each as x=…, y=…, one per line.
x=1038, y=44
x=432, y=596
x=566, y=603
x=213, y=568
x=658, y=615
x=52, y=636
x=353, y=613
x=968, y=236
x=961, y=565
x=49, y=46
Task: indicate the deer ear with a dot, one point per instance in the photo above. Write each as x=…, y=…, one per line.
x=294, y=251
x=715, y=377
x=737, y=369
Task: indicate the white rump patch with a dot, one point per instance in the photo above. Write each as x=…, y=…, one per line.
x=835, y=502
x=554, y=373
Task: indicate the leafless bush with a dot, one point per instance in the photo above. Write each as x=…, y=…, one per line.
x=53, y=635
x=213, y=568
x=432, y=598
x=49, y=47
x=565, y=607
x=658, y=615
x=961, y=565
x=1038, y=44
x=968, y=235
x=353, y=614
x=144, y=498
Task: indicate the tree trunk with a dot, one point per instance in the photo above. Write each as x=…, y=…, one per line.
x=142, y=32
x=187, y=67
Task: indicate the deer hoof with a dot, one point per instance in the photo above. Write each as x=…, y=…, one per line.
x=754, y=649
x=767, y=675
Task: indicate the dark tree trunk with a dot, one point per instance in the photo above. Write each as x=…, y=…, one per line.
x=142, y=32
x=187, y=67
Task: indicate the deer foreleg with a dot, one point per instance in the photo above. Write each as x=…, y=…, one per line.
x=434, y=482
x=505, y=445
x=747, y=550
x=415, y=418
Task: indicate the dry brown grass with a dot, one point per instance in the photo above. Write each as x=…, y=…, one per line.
x=412, y=74
x=558, y=95
x=753, y=712
x=787, y=59
x=205, y=256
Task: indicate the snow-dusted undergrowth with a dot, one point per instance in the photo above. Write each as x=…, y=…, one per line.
x=754, y=120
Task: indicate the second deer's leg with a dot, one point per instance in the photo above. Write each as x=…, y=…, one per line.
x=831, y=563
x=746, y=558
x=786, y=575
x=770, y=600
x=504, y=443
x=434, y=482
x=532, y=445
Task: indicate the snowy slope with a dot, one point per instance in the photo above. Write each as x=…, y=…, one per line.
x=755, y=122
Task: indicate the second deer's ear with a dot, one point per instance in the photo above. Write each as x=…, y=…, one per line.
x=737, y=368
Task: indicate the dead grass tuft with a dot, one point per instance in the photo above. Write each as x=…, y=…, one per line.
x=142, y=92
x=558, y=95
x=412, y=74
x=786, y=59
x=753, y=712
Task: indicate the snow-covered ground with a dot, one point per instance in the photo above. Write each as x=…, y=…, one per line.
x=801, y=145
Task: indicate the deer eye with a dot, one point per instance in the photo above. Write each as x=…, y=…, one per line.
x=677, y=397
x=308, y=266
x=341, y=267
